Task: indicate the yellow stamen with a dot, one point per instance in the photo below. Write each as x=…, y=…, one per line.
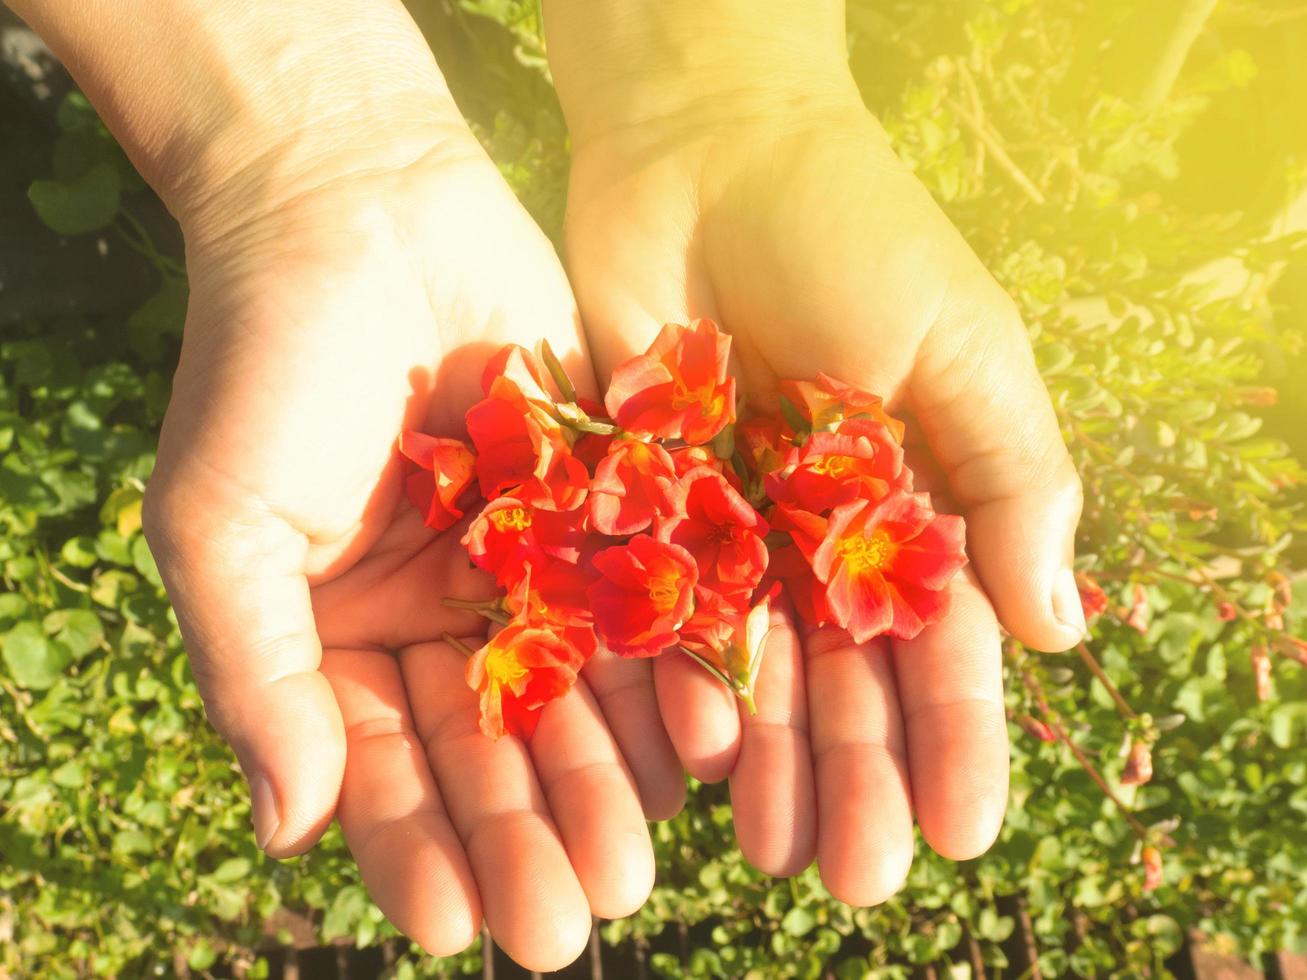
x=503, y=667
x=709, y=402
x=511, y=518
x=664, y=591
x=833, y=466
x=863, y=553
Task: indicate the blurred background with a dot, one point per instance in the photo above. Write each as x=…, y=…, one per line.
x=1135, y=174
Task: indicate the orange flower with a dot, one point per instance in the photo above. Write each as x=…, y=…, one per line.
x=644, y=595
x=520, y=445
x=833, y=468
x=519, y=670
x=554, y=598
x=446, y=472
x=678, y=388
x=1092, y=597
x=510, y=536
x=826, y=402
x=887, y=565
x=633, y=484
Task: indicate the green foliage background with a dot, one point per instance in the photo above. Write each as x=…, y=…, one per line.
x=1148, y=228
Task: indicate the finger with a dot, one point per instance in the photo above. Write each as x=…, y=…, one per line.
x=243, y=608
x=594, y=802
x=772, y=790
x=530, y=896
x=624, y=689
x=950, y=682
x=700, y=716
x=989, y=421
x=391, y=813
x=864, y=807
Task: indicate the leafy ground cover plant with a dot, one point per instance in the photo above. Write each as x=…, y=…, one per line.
x=1163, y=305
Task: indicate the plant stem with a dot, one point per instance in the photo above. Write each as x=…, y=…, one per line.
x=1051, y=719
x=490, y=609
x=1175, y=51
x=996, y=150
x=458, y=644
x=1096, y=669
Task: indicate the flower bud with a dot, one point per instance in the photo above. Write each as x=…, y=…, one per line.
x=1139, y=766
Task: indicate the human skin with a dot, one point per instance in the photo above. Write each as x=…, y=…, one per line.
x=353, y=258
x=725, y=166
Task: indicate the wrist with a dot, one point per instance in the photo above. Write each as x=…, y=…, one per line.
x=228, y=108
x=624, y=64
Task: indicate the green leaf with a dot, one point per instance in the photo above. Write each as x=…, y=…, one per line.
x=798, y=921
x=80, y=630
x=78, y=206
x=345, y=911
x=1287, y=723
x=232, y=870
x=31, y=659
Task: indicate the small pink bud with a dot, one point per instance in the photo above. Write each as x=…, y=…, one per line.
x=1261, y=660
x=1139, y=766
x=1036, y=728
x=1139, y=613
x=1152, y=859
x=1226, y=611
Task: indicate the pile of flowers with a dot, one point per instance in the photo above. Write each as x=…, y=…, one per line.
x=658, y=522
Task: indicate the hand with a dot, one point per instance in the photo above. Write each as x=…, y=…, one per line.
x=309, y=590
x=783, y=213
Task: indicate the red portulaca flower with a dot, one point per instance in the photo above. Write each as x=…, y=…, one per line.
x=887, y=565
x=832, y=468
x=509, y=536
x=1093, y=600
x=636, y=525
x=523, y=370
x=516, y=673
x=721, y=530
x=764, y=440
x=679, y=388
x=644, y=595
x=519, y=444
x=447, y=467
x=787, y=565
x=632, y=485
x=554, y=598
x=827, y=402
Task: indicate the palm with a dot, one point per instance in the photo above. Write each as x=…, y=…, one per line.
x=332, y=324
x=817, y=249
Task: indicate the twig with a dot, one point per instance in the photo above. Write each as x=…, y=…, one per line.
x=1051, y=719
x=1175, y=52
x=1096, y=669
x=1028, y=939
x=1000, y=155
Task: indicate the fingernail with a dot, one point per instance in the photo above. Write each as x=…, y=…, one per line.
x=1066, y=603
x=263, y=806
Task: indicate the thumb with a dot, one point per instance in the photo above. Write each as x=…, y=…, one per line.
x=242, y=603
x=988, y=420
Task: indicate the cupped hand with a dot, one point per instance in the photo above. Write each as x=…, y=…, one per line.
x=326, y=315
x=789, y=220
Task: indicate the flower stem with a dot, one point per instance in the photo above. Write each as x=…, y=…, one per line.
x=1096, y=669
x=458, y=644
x=1054, y=724
x=491, y=609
